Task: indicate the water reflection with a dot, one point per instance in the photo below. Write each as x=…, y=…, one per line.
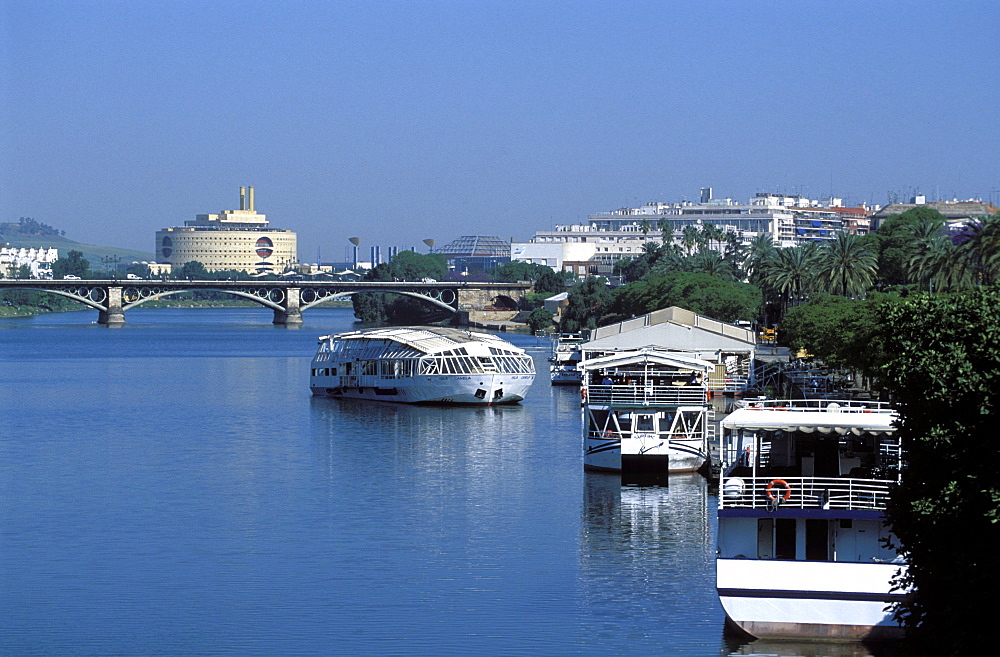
x=759, y=648
x=648, y=554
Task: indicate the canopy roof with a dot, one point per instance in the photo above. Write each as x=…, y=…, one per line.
x=428, y=340
x=831, y=418
x=647, y=356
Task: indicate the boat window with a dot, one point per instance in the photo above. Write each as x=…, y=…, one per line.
x=644, y=423
x=666, y=421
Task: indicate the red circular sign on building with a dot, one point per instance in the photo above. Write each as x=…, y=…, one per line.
x=264, y=249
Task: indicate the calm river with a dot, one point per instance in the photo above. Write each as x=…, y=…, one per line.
x=171, y=488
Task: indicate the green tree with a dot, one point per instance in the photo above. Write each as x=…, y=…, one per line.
x=546, y=281
x=940, y=364
x=980, y=244
x=759, y=255
x=690, y=238
x=791, y=272
x=540, y=319
x=379, y=307
x=588, y=302
x=727, y=301
x=74, y=264
x=192, y=270
x=896, y=244
x=713, y=264
x=835, y=329
x=846, y=266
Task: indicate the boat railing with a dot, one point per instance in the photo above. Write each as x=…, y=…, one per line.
x=631, y=395
x=728, y=384
x=839, y=405
x=804, y=493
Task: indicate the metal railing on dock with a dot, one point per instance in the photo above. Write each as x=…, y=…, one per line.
x=629, y=395
x=804, y=493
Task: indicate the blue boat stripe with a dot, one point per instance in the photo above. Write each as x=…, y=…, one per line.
x=847, y=596
x=604, y=448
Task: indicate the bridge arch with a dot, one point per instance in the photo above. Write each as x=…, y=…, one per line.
x=94, y=296
x=445, y=298
x=272, y=298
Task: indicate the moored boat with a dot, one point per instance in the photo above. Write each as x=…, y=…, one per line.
x=646, y=414
x=421, y=365
x=564, y=364
x=802, y=547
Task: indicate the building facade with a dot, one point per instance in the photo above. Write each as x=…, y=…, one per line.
x=39, y=261
x=231, y=240
x=593, y=248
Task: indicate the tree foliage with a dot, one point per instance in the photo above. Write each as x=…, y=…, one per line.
x=835, y=329
x=540, y=319
x=705, y=294
x=588, y=302
x=896, y=243
x=379, y=307
x=939, y=360
x=545, y=280
x=74, y=264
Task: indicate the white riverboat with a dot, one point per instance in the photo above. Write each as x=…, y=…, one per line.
x=803, y=491
x=564, y=364
x=421, y=365
x=646, y=414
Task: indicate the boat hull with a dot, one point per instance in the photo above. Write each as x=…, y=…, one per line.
x=809, y=599
x=479, y=390
x=604, y=454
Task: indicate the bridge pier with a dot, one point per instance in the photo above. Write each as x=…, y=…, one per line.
x=114, y=315
x=291, y=313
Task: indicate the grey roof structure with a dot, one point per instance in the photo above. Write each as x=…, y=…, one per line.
x=476, y=245
x=673, y=329
x=950, y=209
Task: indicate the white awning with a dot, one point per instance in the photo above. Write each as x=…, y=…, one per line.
x=839, y=420
x=672, y=359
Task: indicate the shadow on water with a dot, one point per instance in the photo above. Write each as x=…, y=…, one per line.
x=738, y=644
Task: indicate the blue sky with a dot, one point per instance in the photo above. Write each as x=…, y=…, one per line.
x=400, y=121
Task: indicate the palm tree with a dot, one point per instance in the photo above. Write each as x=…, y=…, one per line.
x=760, y=252
x=712, y=263
x=926, y=261
x=982, y=248
x=847, y=265
x=790, y=272
x=710, y=233
x=690, y=238
x=735, y=253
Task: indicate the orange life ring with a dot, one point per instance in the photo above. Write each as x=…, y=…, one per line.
x=782, y=482
x=583, y=394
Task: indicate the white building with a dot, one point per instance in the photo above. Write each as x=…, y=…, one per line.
x=39, y=260
x=594, y=247
x=231, y=240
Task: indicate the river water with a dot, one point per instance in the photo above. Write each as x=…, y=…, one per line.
x=170, y=487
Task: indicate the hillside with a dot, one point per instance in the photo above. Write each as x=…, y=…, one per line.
x=28, y=234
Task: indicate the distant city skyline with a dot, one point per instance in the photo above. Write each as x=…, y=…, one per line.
x=396, y=122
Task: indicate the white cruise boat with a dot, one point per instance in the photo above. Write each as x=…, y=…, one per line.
x=421, y=365
x=564, y=364
x=803, y=490
x=646, y=414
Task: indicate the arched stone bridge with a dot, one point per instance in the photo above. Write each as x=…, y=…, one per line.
x=286, y=298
